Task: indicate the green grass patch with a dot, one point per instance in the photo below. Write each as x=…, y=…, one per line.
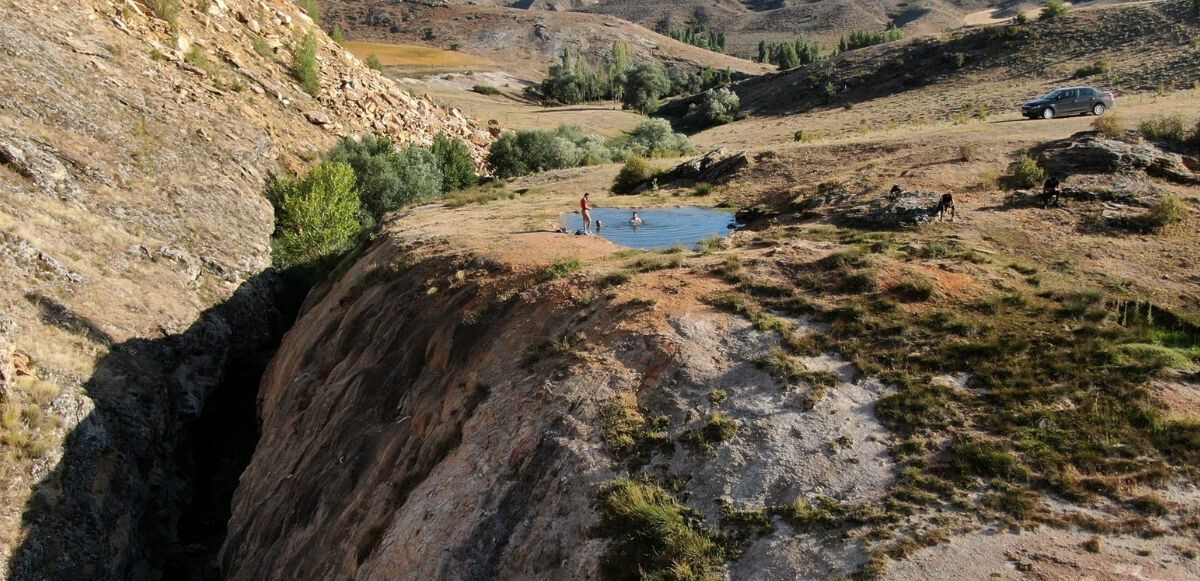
x=560, y=269
x=655, y=536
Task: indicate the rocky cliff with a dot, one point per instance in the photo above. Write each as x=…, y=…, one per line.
x=134, y=251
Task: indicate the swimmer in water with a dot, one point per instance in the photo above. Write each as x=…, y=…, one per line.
x=635, y=220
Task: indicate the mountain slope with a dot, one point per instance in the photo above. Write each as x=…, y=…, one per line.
x=135, y=253
x=522, y=42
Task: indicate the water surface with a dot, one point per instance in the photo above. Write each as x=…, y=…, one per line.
x=660, y=228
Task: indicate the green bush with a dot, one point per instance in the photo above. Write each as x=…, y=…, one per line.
x=305, y=67
x=715, y=108
x=316, y=217
x=634, y=173
x=457, y=165
x=524, y=152
x=1166, y=211
x=311, y=8
x=337, y=35
x=167, y=10
x=561, y=268
x=1152, y=356
x=389, y=178
x=1026, y=172
x=486, y=90
x=654, y=138
x=373, y=62
x=863, y=38
x=913, y=290
x=1053, y=9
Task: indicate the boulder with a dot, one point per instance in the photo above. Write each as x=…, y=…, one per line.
x=1093, y=154
x=904, y=211
x=714, y=167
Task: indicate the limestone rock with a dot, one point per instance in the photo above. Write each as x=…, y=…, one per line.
x=1093, y=154
x=905, y=211
x=715, y=167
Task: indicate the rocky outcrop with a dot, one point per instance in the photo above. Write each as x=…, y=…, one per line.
x=135, y=254
x=715, y=167
x=905, y=211
x=1094, y=154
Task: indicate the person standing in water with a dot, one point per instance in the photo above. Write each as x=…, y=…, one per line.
x=635, y=220
x=585, y=209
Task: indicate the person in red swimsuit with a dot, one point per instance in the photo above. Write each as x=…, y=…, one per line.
x=585, y=208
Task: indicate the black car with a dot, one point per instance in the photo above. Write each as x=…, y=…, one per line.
x=1070, y=101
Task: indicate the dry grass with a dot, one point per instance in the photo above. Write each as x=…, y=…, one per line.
x=409, y=55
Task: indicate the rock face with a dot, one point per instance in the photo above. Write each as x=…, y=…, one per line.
x=715, y=167
x=1093, y=154
x=907, y=210
x=135, y=253
x=415, y=421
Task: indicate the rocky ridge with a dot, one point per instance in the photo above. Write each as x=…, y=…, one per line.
x=135, y=277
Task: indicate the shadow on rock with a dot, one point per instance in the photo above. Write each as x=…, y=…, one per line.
x=143, y=488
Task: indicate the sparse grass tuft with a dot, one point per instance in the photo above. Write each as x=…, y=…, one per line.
x=560, y=268
x=913, y=290
x=655, y=536
x=719, y=428
x=1097, y=68
x=987, y=459
x=717, y=396
x=1093, y=545
x=627, y=431
x=261, y=47
x=1166, y=211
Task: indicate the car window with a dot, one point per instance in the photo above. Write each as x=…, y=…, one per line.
x=1086, y=93
x=1052, y=95
x=1068, y=94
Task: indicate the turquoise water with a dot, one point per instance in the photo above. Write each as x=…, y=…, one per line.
x=660, y=228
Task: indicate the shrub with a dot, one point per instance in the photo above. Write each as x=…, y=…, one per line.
x=167, y=10
x=958, y=59
x=337, y=35
x=1109, y=126
x=1097, y=68
x=486, y=90
x=305, y=67
x=1053, y=9
x=316, y=217
x=311, y=8
x=389, y=178
x=1166, y=211
x=715, y=108
x=654, y=138
x=719, y=428
x=523, y=152
x=968, y=151
x=634, y=173
x=457, y=165
x=1168, y=128
x=1026, y=172
x=373, y=62
x=986, y=459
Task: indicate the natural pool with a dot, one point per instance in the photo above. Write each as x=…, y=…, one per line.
x=660, y=228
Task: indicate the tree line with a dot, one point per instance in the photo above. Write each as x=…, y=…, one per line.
x=575, y=79
x=790, y=54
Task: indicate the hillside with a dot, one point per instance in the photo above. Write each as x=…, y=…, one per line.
x=134, y=260
x=813, y=397
x=520, y=42
x=913, y=83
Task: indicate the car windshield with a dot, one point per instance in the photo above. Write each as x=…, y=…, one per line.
x=1052, y=94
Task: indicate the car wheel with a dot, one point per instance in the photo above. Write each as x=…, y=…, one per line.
x=1098, y=109
x=1047, y=113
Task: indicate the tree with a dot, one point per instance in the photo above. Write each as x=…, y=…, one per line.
x=646, y=84
x=716, y=108
x=762, y=51
x=457, y=165
x=656, y=138
x=305, y=67
x=337, y=35
x=316, y=217
x=787, y=57
x=389, y=178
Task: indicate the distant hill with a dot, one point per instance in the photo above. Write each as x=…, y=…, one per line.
x=522, y=42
